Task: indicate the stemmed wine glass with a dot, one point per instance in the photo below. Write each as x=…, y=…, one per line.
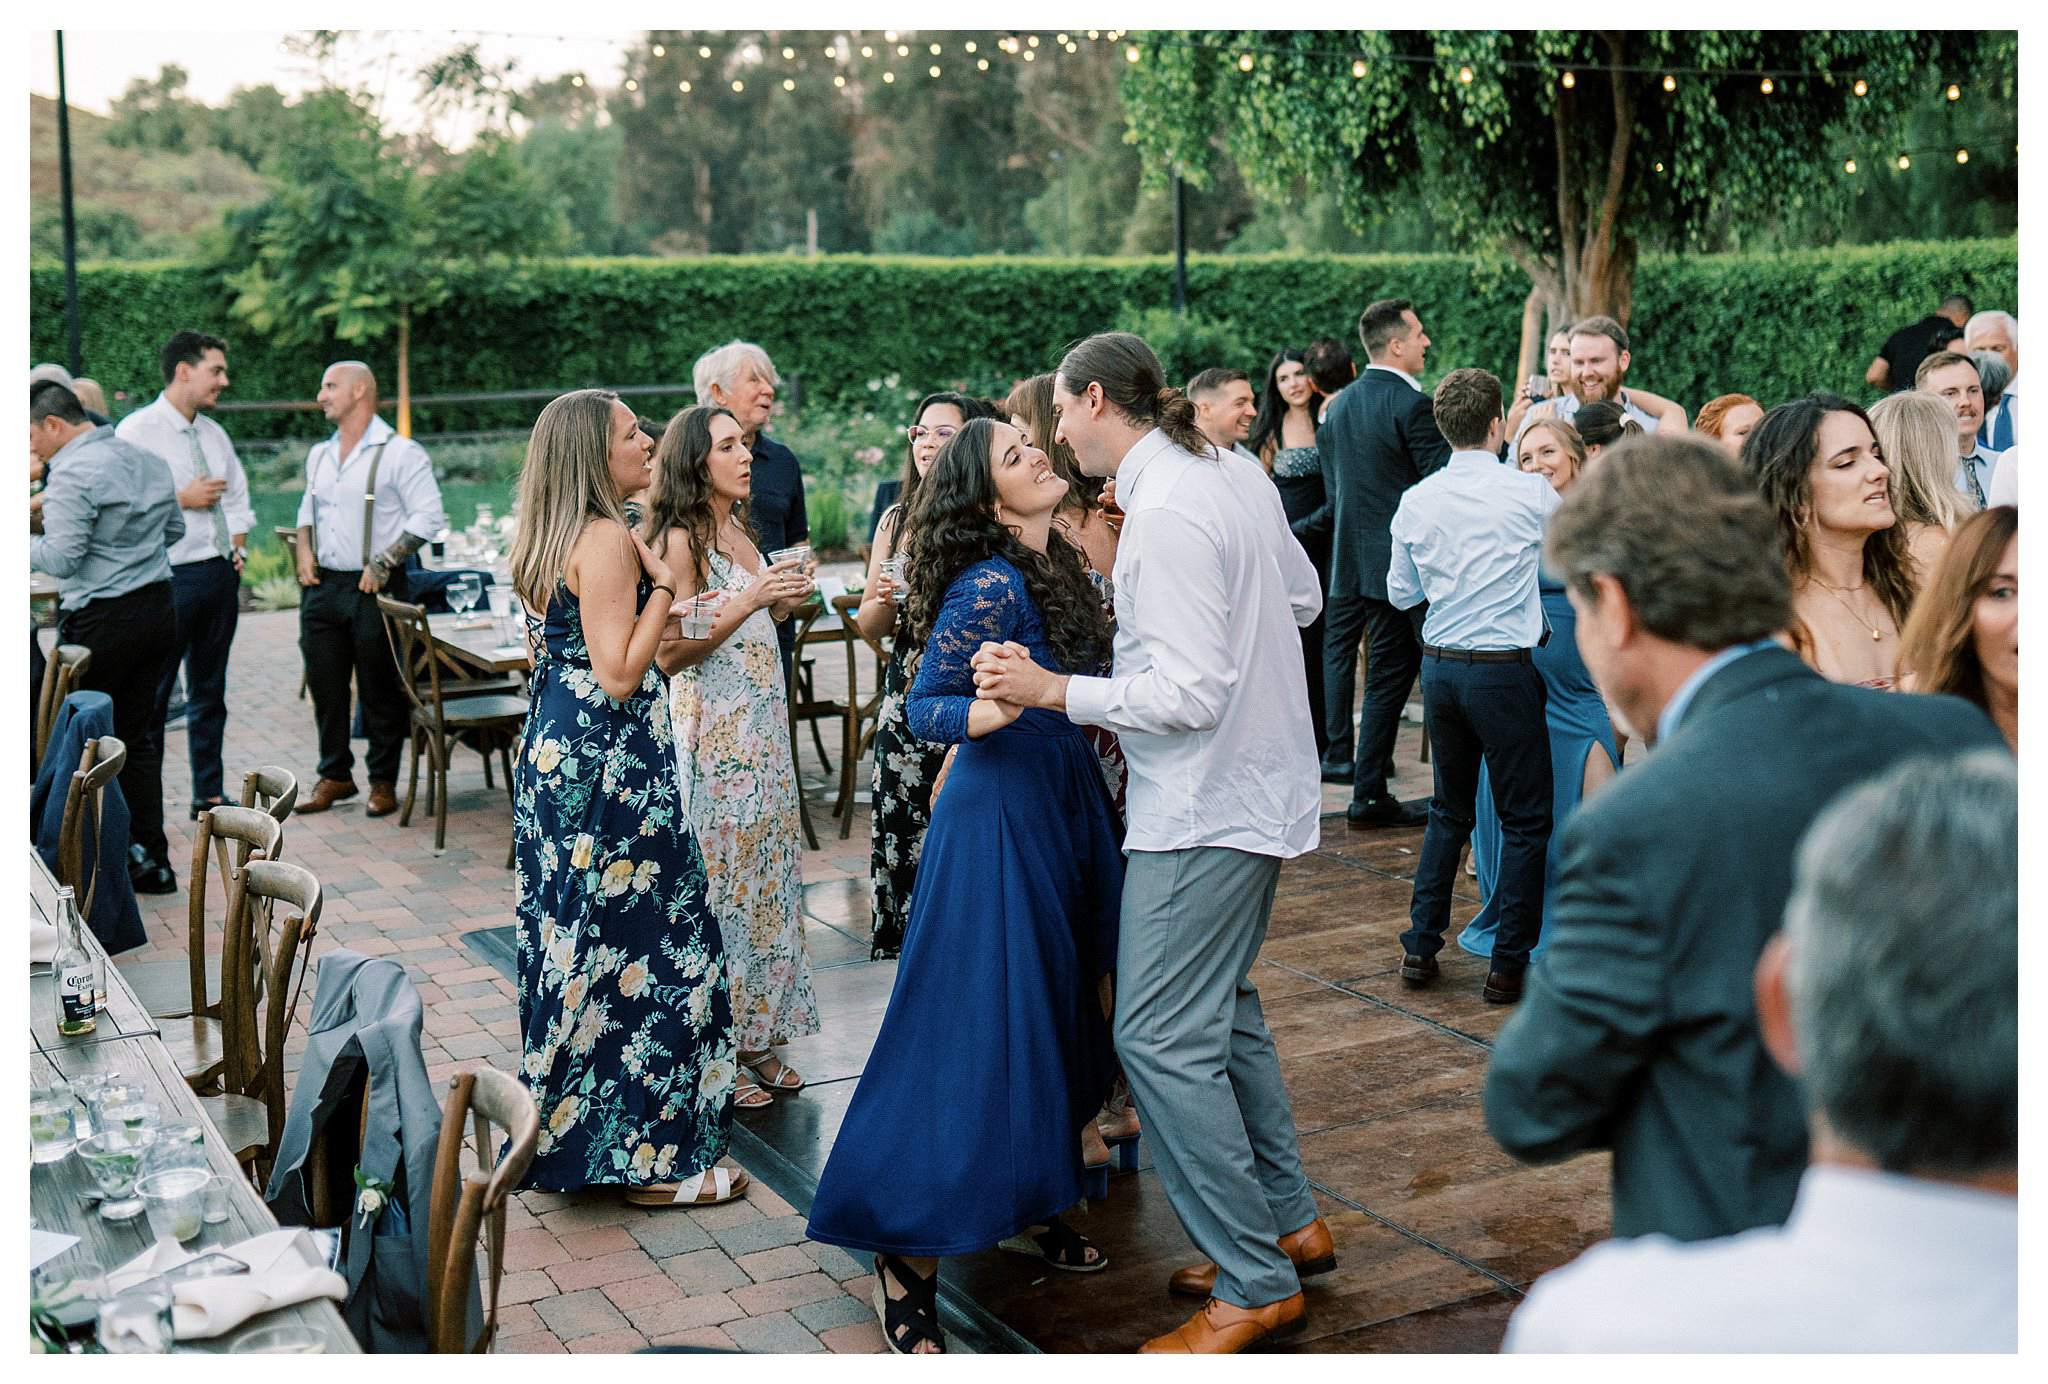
x=463, y=591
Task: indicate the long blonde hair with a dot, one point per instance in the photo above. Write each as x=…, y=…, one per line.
x=566, y=483
x=1917, y=434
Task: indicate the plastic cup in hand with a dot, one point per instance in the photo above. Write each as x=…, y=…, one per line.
x=52, y=1124
x=176, y=1202
x=114, y=1158
x=698, y=614
x=137, y=1322
x=801, y=552
x=893, y=568
x=281, y=1340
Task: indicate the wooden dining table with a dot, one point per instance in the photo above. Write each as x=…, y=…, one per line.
x=480, y=647
x=128, y=1044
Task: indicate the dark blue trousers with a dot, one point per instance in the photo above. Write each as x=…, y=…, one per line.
x=1494, y=712
x=208, y=595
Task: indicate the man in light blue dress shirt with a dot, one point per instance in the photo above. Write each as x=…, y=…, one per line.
x=1953, y=379
x=1468, y=540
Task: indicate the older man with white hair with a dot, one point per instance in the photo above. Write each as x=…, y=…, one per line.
x=1992, y=330
x=739, y=376
x=1905, y=1233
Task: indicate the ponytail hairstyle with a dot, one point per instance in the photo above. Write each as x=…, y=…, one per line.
x=683, y=491
x=954, y=517
x=1135, y=385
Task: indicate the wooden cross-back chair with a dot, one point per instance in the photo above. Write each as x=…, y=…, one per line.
x=186, y=997
x=861, y=715
x=271, y=789
x=99, y=764
x=260, y=982
x=468, y=1206
x=489, y=723
x=61, y=673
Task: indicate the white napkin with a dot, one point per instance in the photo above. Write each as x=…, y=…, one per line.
x=284, y=1269
x=42, y=942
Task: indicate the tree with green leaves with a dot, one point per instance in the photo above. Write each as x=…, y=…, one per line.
x=360, y=229
x=1569, y=150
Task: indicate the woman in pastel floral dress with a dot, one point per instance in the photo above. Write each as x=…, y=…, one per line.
x=731, y=718
x=626, y=1028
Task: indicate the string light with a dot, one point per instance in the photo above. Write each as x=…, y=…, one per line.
x=981, y=64
x=1093, y=34
x=831, y=53
x=789, y=55
x=1029, y=56
x=703, y=52
x=1131, y=53
x=1061, y=40
x=1904, y=163
x=1660, y=168
x=1358, y=70
x=1244, y=62
x=1955, y=93
x=1849, y=167
x=576, y=80
x=659, y=51
x=632, y=85
x=1962, y=156
x=1465, y=74
x=1032, y=40
x=1670, y=82
x=935, y=50
x=935, y=69
x=1862, y=88
x=1768, y=86
x=683, y=87
x=866, y=51
x=1569, y=80
x=738, y=85
x=839, y=81
x=788, y=84
x=902, y=50
x=890, y=35
x=1073, y=47
x=888, y=76
x=970, y=45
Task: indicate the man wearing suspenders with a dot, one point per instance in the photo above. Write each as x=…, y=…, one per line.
x=371, y=503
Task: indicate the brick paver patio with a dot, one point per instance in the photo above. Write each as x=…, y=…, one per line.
x=584, y=1272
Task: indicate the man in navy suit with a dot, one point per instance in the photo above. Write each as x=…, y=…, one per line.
x=1378, y=438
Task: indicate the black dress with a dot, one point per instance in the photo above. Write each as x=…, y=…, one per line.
x=1298, y=472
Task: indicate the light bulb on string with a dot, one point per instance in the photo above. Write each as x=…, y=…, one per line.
x=839, y=81
x=659, y=51
x=888, y=76
x=1244, y=62
x=1094, y=34
x=789, y=55
x=1849, y=167
x=1465, y=75
x=1073, y=47
x=866, y=51
x=703, y=52
x=1030, y=56
x=902, y=50
x=1670, y=82
x=889, y=35
x=1568, y=80
x=981, y=64
x=632, y=85
x=831, y=52
x=1032, y=41
x=1904, y=163
x=1660, y=167
x=1131, y=53
x=1955, y=93
x=1061, y=40
x=576, y=80
x=1358, y=68
x=1767, y=86
x=738, y=85
x=935, y=50
x=1962, y=156
x=789, y=84
x=683, y=87
x=970, y=45
x=935, y=69
x=1862, y=88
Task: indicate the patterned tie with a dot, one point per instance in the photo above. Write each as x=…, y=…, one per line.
x=220, y=519
x=1970, y=474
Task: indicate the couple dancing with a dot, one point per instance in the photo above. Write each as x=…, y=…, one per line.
x=965, y=1129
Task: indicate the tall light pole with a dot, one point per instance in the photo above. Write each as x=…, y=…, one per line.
x=73, y=360
x=1180, y=244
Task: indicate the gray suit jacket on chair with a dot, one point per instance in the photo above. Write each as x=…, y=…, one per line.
x=1378, y=438
x=1638, y=1030
x=366, y=1017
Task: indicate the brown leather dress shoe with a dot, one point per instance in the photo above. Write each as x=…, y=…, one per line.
x=383, y=800
x=326, y=793
x=1311, y=1249
x=1223, y=1329
x=1501, y=987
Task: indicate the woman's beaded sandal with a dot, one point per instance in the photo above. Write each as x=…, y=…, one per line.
x=1059, y=1245
x=912, y=1318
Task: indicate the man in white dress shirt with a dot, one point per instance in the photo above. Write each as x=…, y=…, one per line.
x=371, y=503
x=1600, y=359
x=206, y=564
x=1468, y=539
x=1207, y=698
x=1953, y=379
x=1905, y=1233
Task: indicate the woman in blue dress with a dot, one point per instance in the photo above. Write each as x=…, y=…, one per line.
x=624, y=1013
x=965, y=1129
x=1582, y=744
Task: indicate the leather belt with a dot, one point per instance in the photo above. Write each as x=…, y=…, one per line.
x=1479, y=655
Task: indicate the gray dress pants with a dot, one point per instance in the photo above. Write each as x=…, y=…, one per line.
x=1201, y=1063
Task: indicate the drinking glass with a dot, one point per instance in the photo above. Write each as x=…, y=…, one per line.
x=114, y=1158
x=463, y=592
x=176, y=1202
x=105, y=1097
x=217, y=1189
x=52, y=1123
x=801, y=552
x=85, y=1090
x=289, y=1339
x=137, y=1322
x=892, y=568
x=176, y=1146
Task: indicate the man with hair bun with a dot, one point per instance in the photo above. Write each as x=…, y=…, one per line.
x=1207, y=700
x=1638, y=1032
x=1467, y=540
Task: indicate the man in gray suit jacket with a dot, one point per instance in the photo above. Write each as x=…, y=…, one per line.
x=1378, y=437
x=1638, y=1031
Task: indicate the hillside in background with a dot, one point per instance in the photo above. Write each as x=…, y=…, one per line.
x=130, y=203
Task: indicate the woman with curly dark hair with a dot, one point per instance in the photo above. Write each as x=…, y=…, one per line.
x=1819, y=467
x=905, y=767
x=965, y=1130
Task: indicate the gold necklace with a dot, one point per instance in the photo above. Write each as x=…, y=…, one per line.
x=1876, y=634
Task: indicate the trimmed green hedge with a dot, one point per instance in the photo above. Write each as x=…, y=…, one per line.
x=1771, y=326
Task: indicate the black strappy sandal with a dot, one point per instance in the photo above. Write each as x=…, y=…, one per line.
x=912, y=1318
x=1059, y=1245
